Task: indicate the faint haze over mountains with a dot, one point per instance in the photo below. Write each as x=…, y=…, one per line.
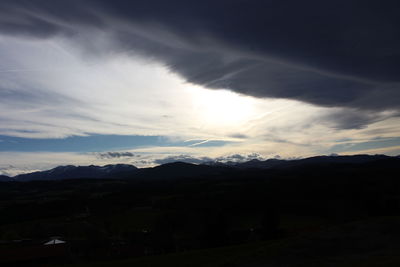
x=191, y=167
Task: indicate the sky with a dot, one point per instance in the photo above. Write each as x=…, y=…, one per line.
x=150, y=82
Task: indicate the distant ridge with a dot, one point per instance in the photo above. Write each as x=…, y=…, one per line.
x=185, y=170
x=280, y=163
x=4, y=178
x=76, y=172
x=182, y=169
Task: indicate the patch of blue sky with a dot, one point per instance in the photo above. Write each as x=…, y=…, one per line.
x=373, y=144
x=96, y=143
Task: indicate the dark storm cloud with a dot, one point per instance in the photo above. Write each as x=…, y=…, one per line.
x=111, y=155
x=353, y=119
x=201, y=160
x=329, y=53
x=239, y=136
x=182, y=158
x=239, y=158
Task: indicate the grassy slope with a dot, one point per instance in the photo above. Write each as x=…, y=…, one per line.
x=374, y=242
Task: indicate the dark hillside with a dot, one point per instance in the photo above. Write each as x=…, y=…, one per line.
x=184, y=207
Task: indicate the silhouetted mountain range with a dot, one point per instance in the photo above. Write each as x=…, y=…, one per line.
x=75, y=172
x=4, y=178
x=181, y=169
x=190, y=207
x=278, y=163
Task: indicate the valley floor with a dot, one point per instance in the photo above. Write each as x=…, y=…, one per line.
x=374, y=242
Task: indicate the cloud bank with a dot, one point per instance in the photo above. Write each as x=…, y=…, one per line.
x=336, y=53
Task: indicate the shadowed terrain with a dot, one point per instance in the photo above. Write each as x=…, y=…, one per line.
x=321, y=211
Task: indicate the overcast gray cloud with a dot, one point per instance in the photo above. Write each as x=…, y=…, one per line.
x=335, y=53
x=353, y=118
x=112, y=155
x=201, y=160
x=182, y=158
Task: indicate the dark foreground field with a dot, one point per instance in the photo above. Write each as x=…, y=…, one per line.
x=365, y=243
x=310, y=214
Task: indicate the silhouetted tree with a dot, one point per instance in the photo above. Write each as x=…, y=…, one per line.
x=270, y=221
x=215, y=229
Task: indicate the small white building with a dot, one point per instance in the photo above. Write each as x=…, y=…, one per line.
x=54, y=241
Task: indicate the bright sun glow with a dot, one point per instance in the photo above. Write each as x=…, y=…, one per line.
x=222, y=107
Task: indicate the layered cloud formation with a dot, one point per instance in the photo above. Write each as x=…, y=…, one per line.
x=337, y=53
